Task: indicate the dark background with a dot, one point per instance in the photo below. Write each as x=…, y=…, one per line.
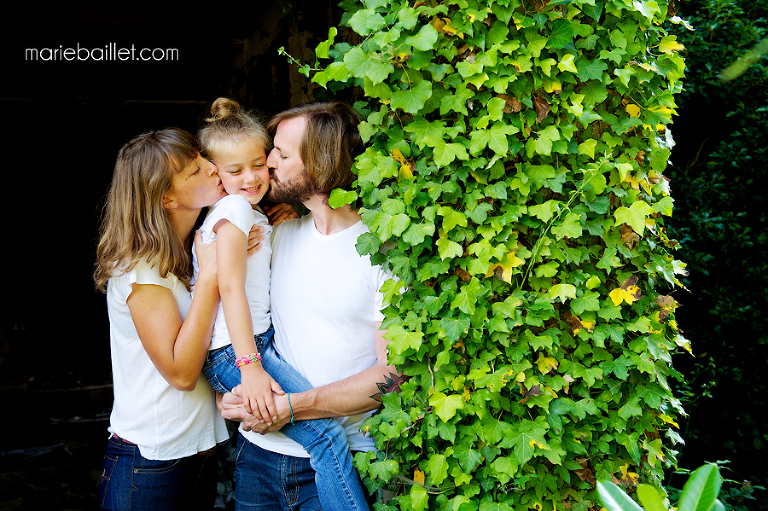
x=63, y=124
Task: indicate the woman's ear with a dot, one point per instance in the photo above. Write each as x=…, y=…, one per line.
x=169, y=201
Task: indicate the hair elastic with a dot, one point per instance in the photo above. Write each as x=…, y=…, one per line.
x=289, y=406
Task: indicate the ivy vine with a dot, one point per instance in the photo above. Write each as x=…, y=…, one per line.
x=514, y=182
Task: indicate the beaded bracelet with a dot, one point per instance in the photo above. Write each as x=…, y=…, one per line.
x=247, y=359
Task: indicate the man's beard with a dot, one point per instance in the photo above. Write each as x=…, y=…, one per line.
x=296, y=190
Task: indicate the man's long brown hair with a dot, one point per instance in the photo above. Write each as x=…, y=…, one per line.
x=330, y=143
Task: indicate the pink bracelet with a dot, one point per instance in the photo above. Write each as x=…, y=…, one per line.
x=247, y=359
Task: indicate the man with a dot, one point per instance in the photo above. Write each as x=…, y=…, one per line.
x=325, y=301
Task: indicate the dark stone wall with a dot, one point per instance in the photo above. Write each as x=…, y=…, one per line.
x=64, y=122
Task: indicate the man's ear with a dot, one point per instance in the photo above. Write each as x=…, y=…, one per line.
x=169, y=201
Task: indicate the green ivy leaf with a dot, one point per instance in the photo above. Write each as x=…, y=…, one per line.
x=412, y=99
x=366, y=21
x=445, y=405
x=634, y=216
x=424, y=39
x=339, y=198
x=401, y=340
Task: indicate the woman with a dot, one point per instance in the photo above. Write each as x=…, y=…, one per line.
x=164, y=425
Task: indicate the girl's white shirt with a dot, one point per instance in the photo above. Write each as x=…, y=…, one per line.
x=237, y=210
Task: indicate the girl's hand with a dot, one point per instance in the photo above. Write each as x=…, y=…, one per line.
x=255, y=237
x=280, y=213
x=257, y=387
x=206, y=254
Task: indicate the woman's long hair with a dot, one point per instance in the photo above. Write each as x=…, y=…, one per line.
x=135, y=226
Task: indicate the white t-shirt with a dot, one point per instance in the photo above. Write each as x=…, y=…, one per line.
x=241, y=214
x=164, y=422
x=325, y=302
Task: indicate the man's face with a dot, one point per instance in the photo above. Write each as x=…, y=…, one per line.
x=289, y=180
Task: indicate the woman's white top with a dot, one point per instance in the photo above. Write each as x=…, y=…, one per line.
x=164, y=422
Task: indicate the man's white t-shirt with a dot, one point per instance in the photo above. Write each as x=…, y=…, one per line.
x=325, y=303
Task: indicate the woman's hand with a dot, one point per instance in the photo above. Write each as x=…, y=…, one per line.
x=206, y=254
x=280, y=213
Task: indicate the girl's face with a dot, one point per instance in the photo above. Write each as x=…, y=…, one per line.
x=243, y=169
x=196, y=186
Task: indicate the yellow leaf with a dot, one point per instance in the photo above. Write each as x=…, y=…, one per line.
x=669, y=420
x=553, y=86
x=628, y=477
x=628, y=292
x=534, y=443
x=512, y=262
x=398, y=156
x=620, y=295
x=632, y=180
x=466, y=395
x=438, y=24
x=471, y=17
x=447, y=28
x=537, y=506
x=546, y=364
x=405, y=172
x=633, y=110
x=418, y=476
x=669, y=45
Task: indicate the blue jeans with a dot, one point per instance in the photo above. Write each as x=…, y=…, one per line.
x=130, y=482
x=324, y=439
x=268, y=481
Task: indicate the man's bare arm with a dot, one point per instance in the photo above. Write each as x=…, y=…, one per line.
x=356, y=394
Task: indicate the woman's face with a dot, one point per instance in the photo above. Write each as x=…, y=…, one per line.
x=243, y=169
x=196, y=186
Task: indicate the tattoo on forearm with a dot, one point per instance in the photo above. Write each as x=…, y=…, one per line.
x=391, y=383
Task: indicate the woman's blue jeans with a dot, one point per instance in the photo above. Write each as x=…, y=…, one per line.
x=130, y=482
x=324, y=439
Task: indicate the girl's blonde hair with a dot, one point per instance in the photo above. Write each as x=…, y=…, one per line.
x=135, y=226
x=228, y=124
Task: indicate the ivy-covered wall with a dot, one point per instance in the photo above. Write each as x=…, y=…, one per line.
x=514, y=182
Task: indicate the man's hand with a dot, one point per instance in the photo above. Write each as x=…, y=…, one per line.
x=231, y=407
x=280, y=213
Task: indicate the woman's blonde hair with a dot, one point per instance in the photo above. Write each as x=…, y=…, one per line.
x=135, y=226
x=228, y=124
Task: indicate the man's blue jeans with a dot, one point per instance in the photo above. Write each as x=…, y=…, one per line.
x=268, y=481
x=131, y=482
x=324, y=439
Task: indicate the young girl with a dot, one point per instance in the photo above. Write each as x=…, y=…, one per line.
x=236, y=142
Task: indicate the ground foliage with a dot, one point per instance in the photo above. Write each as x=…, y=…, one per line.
x=720, y=171
x=513, y=181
